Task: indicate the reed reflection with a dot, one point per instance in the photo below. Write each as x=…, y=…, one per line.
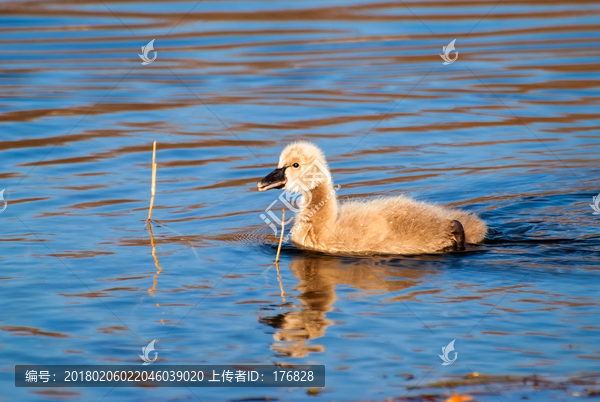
x=156, y=262
x=318, y=278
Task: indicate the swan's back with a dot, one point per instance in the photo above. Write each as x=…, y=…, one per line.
x=401, y=225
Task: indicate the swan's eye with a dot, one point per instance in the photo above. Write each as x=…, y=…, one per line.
x=296, y=165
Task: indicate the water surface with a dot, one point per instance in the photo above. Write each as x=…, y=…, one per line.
x=509, y=131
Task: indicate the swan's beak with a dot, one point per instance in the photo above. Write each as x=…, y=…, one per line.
x=275, y=179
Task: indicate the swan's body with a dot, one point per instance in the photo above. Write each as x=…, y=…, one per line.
x=394, y=225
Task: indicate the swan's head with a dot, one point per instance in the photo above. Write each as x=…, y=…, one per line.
x=302, y=167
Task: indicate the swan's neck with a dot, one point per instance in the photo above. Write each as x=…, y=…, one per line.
x=317, y=218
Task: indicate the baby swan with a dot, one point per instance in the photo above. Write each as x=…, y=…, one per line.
x=395, y=225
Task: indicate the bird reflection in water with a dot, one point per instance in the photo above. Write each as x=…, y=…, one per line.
x=318, y=277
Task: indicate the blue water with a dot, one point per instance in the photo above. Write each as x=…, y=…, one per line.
x=509, y=131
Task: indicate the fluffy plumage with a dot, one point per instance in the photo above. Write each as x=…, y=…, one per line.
x=393, y=225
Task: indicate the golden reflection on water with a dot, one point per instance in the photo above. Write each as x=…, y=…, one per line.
x=156, y=262
x=280, y=283
x=318, y=278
